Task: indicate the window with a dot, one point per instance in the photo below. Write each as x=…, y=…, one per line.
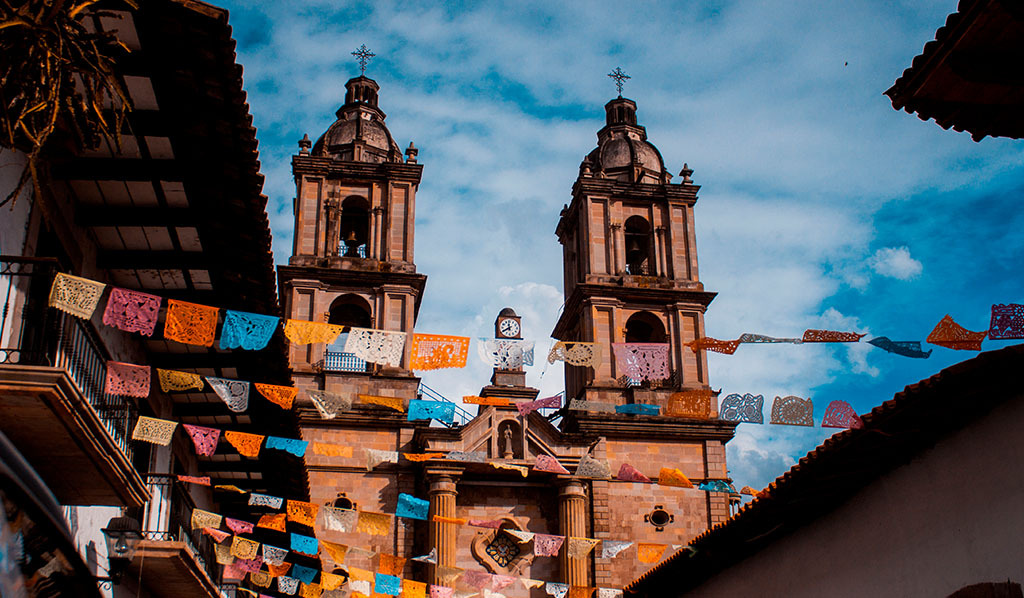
x=638, y=246
x=645, y=327
x=355, y=227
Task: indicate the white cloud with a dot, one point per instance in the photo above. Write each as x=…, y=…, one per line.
x=895, y=262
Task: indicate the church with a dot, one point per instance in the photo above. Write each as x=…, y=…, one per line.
x=631, y=284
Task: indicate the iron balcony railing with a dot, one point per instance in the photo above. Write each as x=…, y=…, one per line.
x=461, y=415
x=33, y=334
x=168, y=519
x=339, y=361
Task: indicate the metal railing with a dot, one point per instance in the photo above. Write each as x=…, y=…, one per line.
x=31, y=333
x=361, y=250
x=339, y=361
x=461, y=415
x=168, y=519
x=639, y=269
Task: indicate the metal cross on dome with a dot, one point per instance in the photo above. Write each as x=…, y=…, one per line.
x=619, y=77
x=363, y=55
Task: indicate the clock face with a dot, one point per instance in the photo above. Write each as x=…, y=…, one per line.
x=509, y=328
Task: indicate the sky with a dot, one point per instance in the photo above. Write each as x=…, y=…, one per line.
x=820, y=205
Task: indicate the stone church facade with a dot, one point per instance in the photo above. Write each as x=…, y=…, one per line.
x=630, y=271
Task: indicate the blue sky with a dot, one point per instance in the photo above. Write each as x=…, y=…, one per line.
x=821, y=206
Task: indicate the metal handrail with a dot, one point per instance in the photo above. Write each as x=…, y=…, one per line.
x=461, y=415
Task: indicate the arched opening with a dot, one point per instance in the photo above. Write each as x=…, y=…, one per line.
x=355, y=226
x=638, y=246
x=510, y=443
x=645, y=327
x=350, y=310
x=343, y=502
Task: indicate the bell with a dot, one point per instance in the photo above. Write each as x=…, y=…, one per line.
x=352, y=244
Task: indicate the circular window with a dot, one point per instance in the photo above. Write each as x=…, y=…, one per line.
x=659, y=517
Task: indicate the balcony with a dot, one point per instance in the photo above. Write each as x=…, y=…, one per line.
x=52, y=401
x=173, y=560
x=339, y=361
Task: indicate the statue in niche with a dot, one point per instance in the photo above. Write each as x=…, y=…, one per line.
x=507, y=452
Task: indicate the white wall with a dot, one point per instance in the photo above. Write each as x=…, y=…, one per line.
x=952, y=517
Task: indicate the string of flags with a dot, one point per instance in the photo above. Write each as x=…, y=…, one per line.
x=196, y=324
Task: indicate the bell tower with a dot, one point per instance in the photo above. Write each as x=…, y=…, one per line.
x=630, y=265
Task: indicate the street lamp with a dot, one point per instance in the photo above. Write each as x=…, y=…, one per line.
x=122, y=535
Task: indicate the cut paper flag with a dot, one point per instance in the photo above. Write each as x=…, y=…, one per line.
x=75, y=295
x=713, y=344
x=629, y=473
x=332, y=450
x=505, y=354
x=468, y=456
x=592, y=406
x=247, y=445
x=301, y=332
x=127, y=380
x=282, y=396
x=375, y=524
x=336, y=551
x=234, y=393
x=238, y=526
x=611, y=548
x=520, y=536
x=263, y=500
x=155, y=431
x=274, y=522
x=830, y=336
x=477, y=580
x=715, y=486
x=413, y=589
x=650, y=553
x=278, y=570
x=244, y=330
x=590, y=467
x=330, y=581
x=557, y=590
x=747, y=408
x=289, y=445
x=547, y=545
x=1007, y=321
x=750, y=491
x=175, y=381
x=261, y=579
x=691, y=403
x=435, y=352
x=310, y=590
x=452, y=520
x=840, y=414
x=904, y=348
x=190, y=323
x=638, y=409
x=520, y=469
x=395, y=403
x=244, y=548
x=669, y=476
x=272, y=555
x=132, y=311
x=951, y=335
x=423, y=409
x=441, y=592
x=387, y=584
x=549, y=464
x=448, y=574
x=411, y=507
x=304, y=574
x=287, y=585
x=430, y=557
x=191, y=479
x=486, y=523
x=527, y=407
x=580, y=591
x=329, y=404
x=302, y=512
x=500, y=582
x=576, y=353
x=229, y=488
x=204, y=439
x=217, y=535
x=495, y=401
x=201, y=519
x=361, y=552
x=642, y=361
x=579, y=548
x=609, y=593
x=531, y=584
x=792, y=411
x=746, y=337
x=375, y=458
x=390, y=564
x=421, y=457
x=222, y=552
x=305, y=544
x=376, y=346
x=338, y=520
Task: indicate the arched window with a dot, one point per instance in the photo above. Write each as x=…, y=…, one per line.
x=350, y=310
x=355, y=227
x=638, y=246
x=645, y=327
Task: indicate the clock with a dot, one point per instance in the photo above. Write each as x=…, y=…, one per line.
x=508, y=328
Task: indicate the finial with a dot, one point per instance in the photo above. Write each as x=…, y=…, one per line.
x=410, y=153
x=363, y=55
x=305, y=144
x=619, y=77
x=685, y=173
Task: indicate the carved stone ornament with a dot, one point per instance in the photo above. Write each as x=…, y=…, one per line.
x=499, y=552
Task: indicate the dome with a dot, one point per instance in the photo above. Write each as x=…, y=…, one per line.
x=359, y=134
x=623, y=152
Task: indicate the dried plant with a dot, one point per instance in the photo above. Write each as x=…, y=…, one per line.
x=57, y=75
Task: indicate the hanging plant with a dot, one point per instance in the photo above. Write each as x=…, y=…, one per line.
x=57, y=75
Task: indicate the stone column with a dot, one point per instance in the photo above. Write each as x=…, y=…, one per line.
x=616, y=265
x=572, y=521
x=442, y=503
x=375, y=249
x=662, y=252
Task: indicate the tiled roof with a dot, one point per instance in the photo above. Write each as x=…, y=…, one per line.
x=895, y=431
